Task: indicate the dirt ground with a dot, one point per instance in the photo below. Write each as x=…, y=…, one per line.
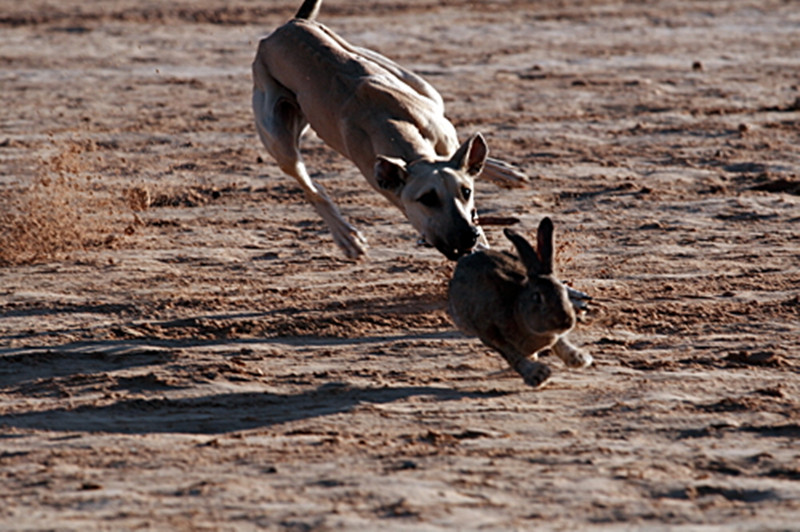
x=184, y=348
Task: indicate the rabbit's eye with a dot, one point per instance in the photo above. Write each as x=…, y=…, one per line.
x=537, y=298
x=430, y=199
x=466, y=192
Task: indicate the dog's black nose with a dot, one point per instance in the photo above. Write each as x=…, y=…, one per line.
x=468, y=241
x=475, y=235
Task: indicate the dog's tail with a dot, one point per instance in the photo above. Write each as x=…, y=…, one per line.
x=309, y=9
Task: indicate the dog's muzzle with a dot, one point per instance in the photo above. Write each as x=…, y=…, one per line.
x=465, y=244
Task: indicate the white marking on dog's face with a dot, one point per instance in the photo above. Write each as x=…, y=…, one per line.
x=439, y=202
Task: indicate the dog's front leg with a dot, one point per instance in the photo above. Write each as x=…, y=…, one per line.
x=347, y=237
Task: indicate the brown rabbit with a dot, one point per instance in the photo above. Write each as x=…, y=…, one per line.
x=515, y=304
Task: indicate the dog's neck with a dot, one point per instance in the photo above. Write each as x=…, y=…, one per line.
x=395, y=138
x=403, y=140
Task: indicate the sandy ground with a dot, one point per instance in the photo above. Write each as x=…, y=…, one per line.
x=199, y=356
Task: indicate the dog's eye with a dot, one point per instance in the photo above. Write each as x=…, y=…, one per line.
x=429, y=199
x=466, y=192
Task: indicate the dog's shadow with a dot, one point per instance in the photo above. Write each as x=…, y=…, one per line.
x=94, y=367
x=223, y=413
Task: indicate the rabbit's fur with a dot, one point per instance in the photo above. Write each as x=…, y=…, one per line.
x=515, y=304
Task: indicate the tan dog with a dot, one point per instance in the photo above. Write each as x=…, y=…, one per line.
x=384, y=118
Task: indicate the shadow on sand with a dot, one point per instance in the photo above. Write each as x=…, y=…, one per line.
x=216, y=414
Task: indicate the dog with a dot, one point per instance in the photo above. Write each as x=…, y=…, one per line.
x=387, y=120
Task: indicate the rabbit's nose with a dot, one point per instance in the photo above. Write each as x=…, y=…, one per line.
x=566, y=320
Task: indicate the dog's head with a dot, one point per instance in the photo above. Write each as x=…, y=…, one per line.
x=437, y=195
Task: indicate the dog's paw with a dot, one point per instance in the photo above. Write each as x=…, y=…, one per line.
x=351, y=242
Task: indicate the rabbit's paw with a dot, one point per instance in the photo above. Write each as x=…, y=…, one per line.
x=535, y=374
x=571, y=355
x=579, y=359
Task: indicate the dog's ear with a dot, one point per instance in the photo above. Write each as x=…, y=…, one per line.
x=471, y=155
x=390, y=173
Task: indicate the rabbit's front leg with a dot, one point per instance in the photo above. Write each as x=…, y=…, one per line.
x=534, y=373
x=571, y=355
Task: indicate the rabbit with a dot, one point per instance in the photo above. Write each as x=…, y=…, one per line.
x=516, y=306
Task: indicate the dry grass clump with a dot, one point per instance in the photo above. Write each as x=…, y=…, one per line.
x=59, y=212
x=39, y=222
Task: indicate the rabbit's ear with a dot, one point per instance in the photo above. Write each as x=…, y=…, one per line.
x=544, y=245
x=525, y=251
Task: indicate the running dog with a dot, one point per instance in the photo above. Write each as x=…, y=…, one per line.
x=384, y=118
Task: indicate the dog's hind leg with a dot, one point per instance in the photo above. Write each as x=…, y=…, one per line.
x=280, y=124
x=503, y=174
